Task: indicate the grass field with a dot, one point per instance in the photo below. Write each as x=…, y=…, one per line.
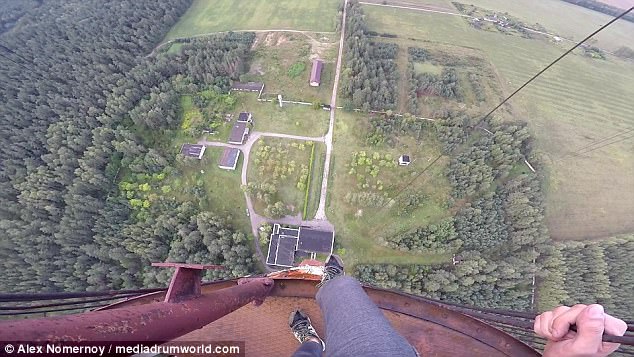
x=280, y=162
x=564, y=19
x=360, y=227
x=291, y=119
x=223, y=194
x=577, y=102
x=206, y=16
x=276, y=54
x=315, y=179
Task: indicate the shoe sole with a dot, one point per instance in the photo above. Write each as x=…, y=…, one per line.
x=337, y=259
x=291, y=317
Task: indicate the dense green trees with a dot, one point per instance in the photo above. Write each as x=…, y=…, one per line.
x=481, y=223
x=369, y=73
x=89, y=112
x=478, y=281
x=489, y=158
x=589, y=272
x=602, y=7
x=438, y=238
x=444, y=85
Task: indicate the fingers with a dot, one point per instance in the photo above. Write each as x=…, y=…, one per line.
x=614, y=326
x=590, y=327
x=544, y=323
x=566, y=317
x=591, y=322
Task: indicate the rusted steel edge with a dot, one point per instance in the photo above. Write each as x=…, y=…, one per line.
x=528, y=325
x=145, y=322
x=402, y=303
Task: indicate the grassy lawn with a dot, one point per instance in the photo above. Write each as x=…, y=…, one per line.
x=205, y=16
x=222, y=192
x=283, y=61
x=427, y=67
x=293, y=119
x=575, y=103
x=316, y=179
x=282, y=165
x=362, y=224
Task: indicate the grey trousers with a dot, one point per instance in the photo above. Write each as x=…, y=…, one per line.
x=354, y=324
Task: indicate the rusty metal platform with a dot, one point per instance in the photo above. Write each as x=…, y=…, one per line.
x=433, y=330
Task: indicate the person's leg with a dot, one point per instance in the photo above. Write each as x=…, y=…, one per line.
x=309, y=349
x=354, y=324
x=311, y=344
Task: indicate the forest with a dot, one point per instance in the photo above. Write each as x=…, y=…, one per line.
x=602, y=7
x=369, y=70
x=498, y=228
x=86, y=127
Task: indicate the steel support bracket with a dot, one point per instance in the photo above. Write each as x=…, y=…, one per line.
x=186, y=281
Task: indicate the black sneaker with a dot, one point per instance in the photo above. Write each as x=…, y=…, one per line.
x=332, y=269
x=302, y=328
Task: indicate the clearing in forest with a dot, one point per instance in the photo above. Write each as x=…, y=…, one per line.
x=206, y=16
x=283, y=61
x=279, y=175
x=588, y=191
x=367, y=178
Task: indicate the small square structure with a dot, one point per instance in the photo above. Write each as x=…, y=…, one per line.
x=315, y=241
x=244, y=117
x=287, y=244
x=229, y=159
x=239, y=133
x=193, y=150
x=315, y=73
x=281, y=250
x=404, y=160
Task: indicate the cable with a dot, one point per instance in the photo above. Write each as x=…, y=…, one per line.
x=604, y=145
x=598, y=141
x=554, y=62
x=60, y=296
x=33, y=307
x=19, y=64
x=52, y=310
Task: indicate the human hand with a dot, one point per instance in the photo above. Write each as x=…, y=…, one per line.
x=591, y=321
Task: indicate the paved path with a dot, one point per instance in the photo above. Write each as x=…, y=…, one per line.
x=321, y=210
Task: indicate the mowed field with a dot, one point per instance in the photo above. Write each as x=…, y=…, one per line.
x=559, y=17
x=575, y=104
x=206, y=16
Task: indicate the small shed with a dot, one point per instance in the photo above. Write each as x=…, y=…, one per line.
x=247, y=86
x=229, y=159
x=239, y=133
x=404, y=160
x=245, y=117
x=193, y=150
x=315, y=73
